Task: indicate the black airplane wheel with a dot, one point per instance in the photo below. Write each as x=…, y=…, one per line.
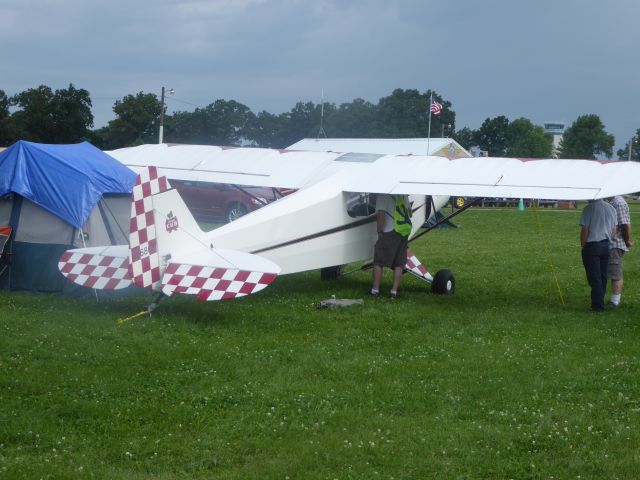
x=444, y=283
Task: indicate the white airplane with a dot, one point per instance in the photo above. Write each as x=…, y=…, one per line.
x=313, y=228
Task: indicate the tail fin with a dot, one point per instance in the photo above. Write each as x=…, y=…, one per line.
x=144, y=260
x=168, y=251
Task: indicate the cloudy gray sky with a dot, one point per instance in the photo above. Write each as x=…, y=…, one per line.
x=547, y=60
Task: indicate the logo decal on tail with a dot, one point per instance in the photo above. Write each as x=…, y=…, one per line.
x=171, y=223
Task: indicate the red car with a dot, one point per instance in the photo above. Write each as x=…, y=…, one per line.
x=222, y=203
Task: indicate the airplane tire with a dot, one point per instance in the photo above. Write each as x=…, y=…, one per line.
x=444, y=283
x=331, y=273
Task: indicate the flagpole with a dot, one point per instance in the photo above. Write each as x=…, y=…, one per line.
x=429, y=128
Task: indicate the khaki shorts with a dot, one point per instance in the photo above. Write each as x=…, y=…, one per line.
x=391, y=250
x=614, y=272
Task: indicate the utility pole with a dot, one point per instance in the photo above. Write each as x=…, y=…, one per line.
x=321, y=131
x=631, y=146
x=429, y=125
x=161, y=134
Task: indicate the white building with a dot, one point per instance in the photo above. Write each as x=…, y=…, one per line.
x=556, y=130
x=441, y=147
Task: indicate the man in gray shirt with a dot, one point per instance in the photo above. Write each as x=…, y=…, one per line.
x=620, y=244
x=598, y=226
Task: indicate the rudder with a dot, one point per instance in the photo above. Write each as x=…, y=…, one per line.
x=144, y=259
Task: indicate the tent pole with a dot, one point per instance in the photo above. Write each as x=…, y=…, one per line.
x=84, y=244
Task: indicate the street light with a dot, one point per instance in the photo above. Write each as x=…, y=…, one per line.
x=170, y=92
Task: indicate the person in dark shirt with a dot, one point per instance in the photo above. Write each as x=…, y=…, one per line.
x=598, y=226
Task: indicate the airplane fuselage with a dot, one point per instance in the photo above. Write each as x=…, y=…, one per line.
x=311, y=229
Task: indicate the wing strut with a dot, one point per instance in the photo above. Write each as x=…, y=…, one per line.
x=446, y=219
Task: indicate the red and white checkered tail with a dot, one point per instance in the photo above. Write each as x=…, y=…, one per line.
x=168, y=250
x=144, y=258
x=218, y=274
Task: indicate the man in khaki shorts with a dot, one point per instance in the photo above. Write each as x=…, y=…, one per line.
x=618, y=245
x=393, y=221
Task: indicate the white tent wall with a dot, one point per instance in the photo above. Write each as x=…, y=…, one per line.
x=36, y=225
x=108, y=223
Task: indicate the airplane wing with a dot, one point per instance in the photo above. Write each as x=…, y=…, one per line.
x=402, y=174
x=260, y=167
x=500, y=177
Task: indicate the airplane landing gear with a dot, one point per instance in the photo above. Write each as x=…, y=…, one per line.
x=444, y=283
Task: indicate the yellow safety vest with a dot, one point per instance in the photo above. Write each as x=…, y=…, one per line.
x=401, y=216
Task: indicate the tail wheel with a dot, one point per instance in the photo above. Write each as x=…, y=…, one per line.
x=235, y=211
x=444, y=283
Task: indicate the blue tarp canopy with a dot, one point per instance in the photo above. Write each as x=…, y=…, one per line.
x=66, y=180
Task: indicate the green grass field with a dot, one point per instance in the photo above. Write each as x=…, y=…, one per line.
x=505, y=379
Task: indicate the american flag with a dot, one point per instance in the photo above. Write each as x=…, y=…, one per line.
x=436, y=108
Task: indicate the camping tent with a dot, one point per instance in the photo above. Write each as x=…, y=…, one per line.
x=56, y=197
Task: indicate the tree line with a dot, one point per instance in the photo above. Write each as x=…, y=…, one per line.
x=64, y=116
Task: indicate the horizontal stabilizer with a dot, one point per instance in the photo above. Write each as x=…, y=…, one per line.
x=102, y=268
x=219, y=275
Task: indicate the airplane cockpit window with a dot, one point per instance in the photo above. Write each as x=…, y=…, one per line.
x=361, y=204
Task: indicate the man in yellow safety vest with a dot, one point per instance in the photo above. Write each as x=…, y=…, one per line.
x=393, y=221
